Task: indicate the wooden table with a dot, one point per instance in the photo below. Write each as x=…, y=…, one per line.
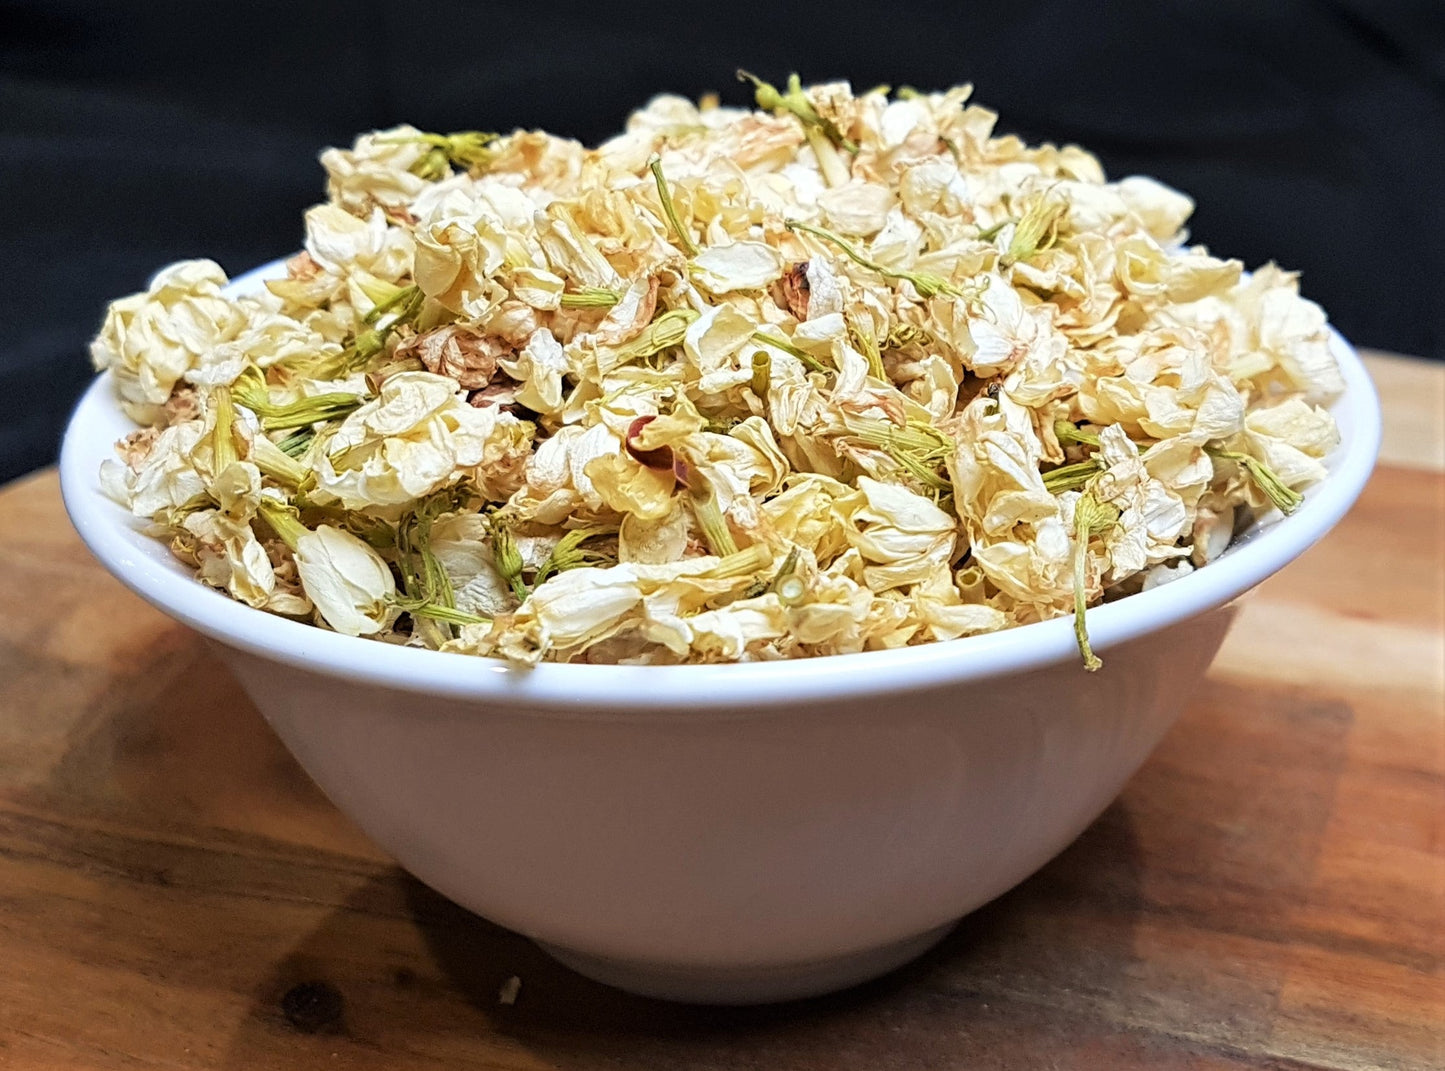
x=1269, y=891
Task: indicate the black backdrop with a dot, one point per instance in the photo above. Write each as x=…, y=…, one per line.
x=136, y=132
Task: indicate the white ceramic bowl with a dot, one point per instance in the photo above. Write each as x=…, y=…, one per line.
x=736, y=833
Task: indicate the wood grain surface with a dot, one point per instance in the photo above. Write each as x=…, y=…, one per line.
x=1268, y=892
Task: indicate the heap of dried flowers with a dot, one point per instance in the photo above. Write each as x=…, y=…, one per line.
x=839, y=374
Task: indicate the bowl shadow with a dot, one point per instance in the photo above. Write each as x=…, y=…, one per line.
x=452, y=976
x=478, y=956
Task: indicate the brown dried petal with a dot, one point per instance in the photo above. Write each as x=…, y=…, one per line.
x=136, y=447
x=302, y=267
x=502, y=391
x=796, y=289
x=891, y=405
x=459, y=352
x=183, y=404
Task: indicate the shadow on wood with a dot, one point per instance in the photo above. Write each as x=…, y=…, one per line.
x=939, y=1007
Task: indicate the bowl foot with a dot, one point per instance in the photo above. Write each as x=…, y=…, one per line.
x=747, y=985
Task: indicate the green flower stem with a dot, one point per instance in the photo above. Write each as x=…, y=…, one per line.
x=590, y=297
x=919, y=447
x=922, y=472
x=926, y=284
x=914, y=437
x=762, y=380
x=791, y=591
x=835, y=171
x=406, y=303
x=786, y=584
x=295, y=444
x=868, y=346
x=1068, y=434
x=448, y=615
x=1285, y=498
x=314, y=410
x=433, y=166
x=988, y=234
x=277, y=464
x=714, y=525
x=1091, y=518
x=1035, y=231
x=568, y=554
x=685, y=239
x=797, y=103
x=742, y=562
x=666, y=331
x=397, y=306
x=427, y=587
x=283, y=521
x=1071, y=477
x=223, y=433
x=969, y=581
x=465, y=148
x=809, y=361
x=424, y=577
x=508, y=559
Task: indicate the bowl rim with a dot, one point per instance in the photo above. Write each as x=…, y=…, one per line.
x=114, y=538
